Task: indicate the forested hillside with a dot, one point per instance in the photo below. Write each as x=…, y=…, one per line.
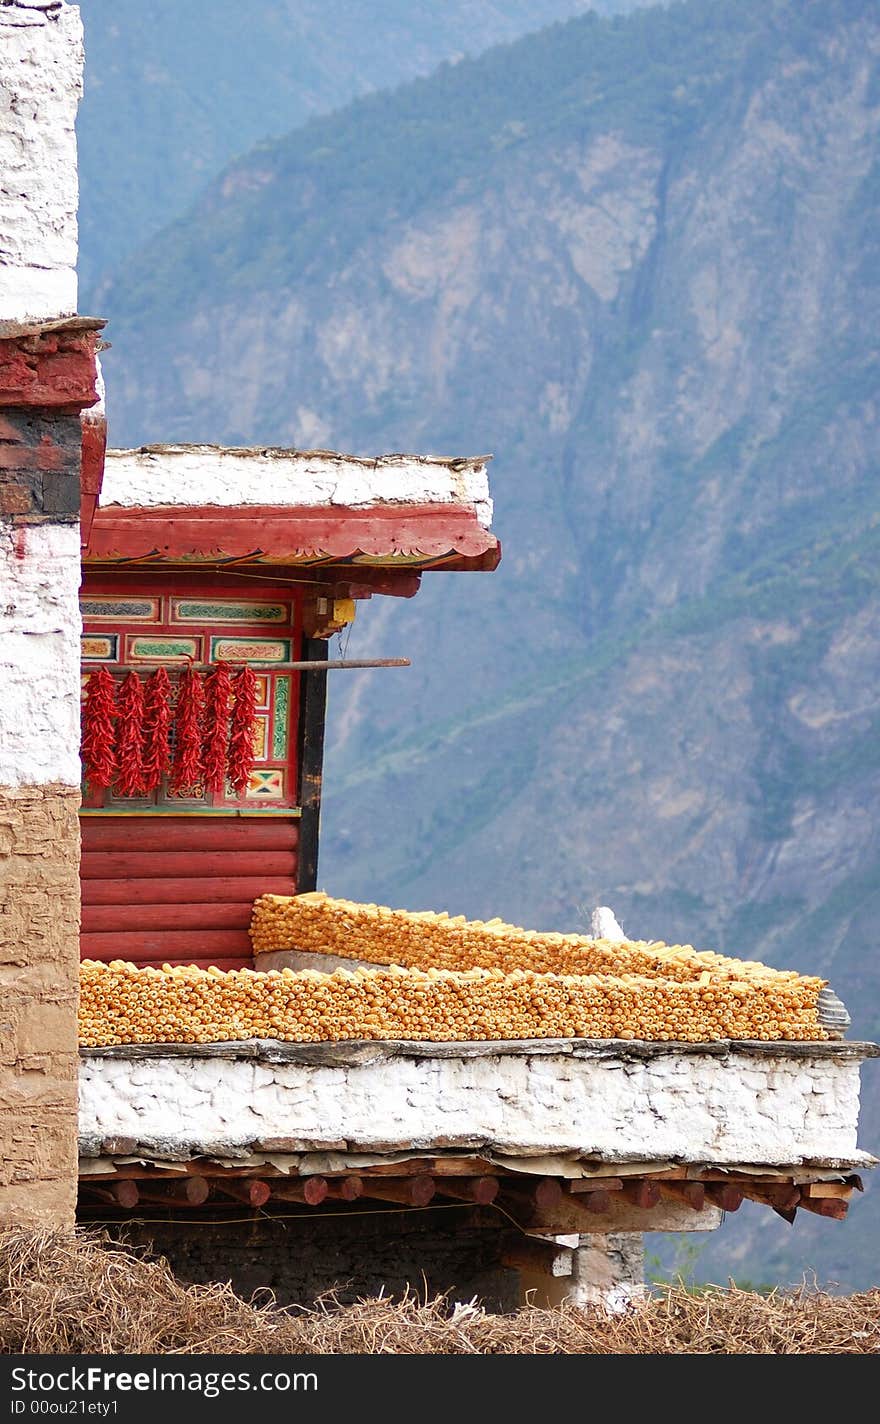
x=637, y=259
x=174, y=90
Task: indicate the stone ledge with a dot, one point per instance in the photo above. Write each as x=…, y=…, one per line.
x=357, y=1052
x=600, y=1100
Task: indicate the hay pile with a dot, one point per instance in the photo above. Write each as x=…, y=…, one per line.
x=64, y=1295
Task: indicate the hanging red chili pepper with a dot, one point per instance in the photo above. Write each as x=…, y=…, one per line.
x=157, y=729
x=99, y=731
x=241, y=737
x=186, y=772
x=218, y=687
x=129, y=737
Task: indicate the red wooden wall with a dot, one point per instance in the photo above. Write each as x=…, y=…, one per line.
x=173, y=880
x=180, y=889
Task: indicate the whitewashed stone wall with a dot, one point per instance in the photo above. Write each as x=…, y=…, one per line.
x=41, y=60
x=693, y=1107
x=39, y=654
x=608, y=1271
x=209, y=475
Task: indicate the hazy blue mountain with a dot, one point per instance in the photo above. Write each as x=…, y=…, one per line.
x=636, y=259
x=175, y=89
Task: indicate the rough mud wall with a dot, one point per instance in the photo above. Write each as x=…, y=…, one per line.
x=47, y=376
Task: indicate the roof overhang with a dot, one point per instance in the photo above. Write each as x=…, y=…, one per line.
x=206, y=505
x=397, y=536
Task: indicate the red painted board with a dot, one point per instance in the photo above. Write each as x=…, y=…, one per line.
x=203, y=583
x=154, y=946
x=160, y=865
x=94, y=445
x=202, y=891
x=103, y=582
x=294, y=534
x=53, y=370
x=192, y=833
x=168, y=916
x=214, y=962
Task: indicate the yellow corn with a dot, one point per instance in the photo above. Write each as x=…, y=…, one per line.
x=123, y=1004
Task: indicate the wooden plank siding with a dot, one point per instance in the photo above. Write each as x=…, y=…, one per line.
x=180, y=889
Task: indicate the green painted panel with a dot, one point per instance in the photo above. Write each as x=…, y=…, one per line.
x=222, y=611
x=164, y=649
x=281, y=718
x=140, y=609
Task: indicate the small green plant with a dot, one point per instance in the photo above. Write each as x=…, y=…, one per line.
x=675, y=1264
x=680, y=1270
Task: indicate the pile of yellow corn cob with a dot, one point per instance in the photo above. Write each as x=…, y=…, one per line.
x=440, y=979
x=424, y=939
x=122, y=1004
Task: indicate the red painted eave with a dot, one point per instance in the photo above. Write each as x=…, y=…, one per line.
x=94, y=446
x=50, y=365
x=447, y=536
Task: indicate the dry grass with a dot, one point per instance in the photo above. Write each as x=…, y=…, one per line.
x=83, y=1295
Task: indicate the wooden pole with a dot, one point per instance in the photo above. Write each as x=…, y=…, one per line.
x=192, y=1191
x=644, y=1193
x=124, y=1194
x=482, y=1190
x=833, y=1207
x=311, y=1190
x=597, y=1202
x=345, y=1188
x=313, y=714
x=784, y=1197
x=723, y=1194
x=249, y=1190
x=692, y=1194
x=408, y=1191
x=302, y=665
x=530, y=1196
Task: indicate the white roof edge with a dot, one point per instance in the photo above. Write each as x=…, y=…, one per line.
x=291, y=453
x=215, y=475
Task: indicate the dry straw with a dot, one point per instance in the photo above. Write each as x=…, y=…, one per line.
x=61, y=1294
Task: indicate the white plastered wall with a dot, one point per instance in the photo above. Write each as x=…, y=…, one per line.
x=211, y=475
x=39, y=654
x=41, y=61
x=691, y=1107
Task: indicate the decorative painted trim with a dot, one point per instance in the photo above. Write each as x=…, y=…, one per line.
x=268, y=785
x=293, y=811
x=99, y=647
x=281, y=718
x=261, y=738
x=189, y=610
x=250, y=650
x=424, y=534
x=132, y=610
x=161, y=649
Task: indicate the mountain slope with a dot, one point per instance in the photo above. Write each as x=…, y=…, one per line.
x=174, y=91
x=638, y=261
